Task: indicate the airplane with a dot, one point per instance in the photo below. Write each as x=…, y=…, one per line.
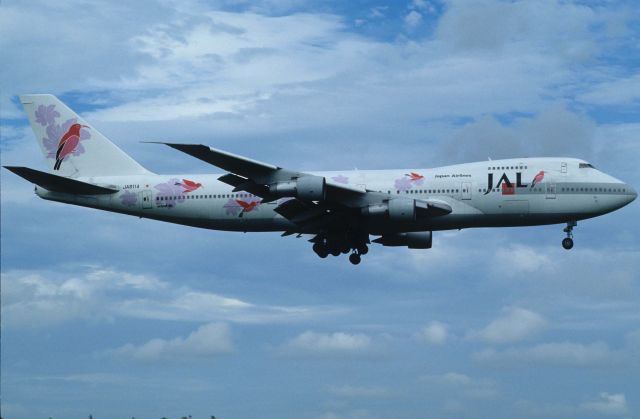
x=339, y=210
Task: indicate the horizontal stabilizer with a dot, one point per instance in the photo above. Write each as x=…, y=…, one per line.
x=57, y=183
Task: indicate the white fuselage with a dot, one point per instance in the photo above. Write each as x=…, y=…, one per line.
x=513, y=192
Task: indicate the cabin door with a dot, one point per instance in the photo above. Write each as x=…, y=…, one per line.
x=466, y=190
x=146, y=199
x=551, y=191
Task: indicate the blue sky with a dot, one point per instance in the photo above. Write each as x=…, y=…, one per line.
x=115, y=316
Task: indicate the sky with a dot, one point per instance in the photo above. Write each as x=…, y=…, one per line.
x=118, y=317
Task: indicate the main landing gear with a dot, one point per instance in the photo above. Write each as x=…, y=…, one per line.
x=324, y=246
x=567, y=242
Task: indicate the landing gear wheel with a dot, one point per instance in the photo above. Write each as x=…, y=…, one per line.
x=335, y=252
x=354, y=258
x=567, y=243
x=363, y=249
x=321, y=250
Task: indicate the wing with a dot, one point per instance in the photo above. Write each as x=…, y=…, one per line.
x=258, y=178
x=312, y=202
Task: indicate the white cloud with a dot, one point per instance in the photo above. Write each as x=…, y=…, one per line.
x=338, y=343
x=45, y=298
x=378, y=11
x=459, y=384
x=608, y=405
x=581, y=274
x=561, y=29
x=412, y=20
x=523, y=259
x=281, y=72
x=422, y=5
x=555, y=354
x=619, y=91
x=207, y=341
x=435, y=333
x=42, y=298
x=515, y=324
x=553, y=131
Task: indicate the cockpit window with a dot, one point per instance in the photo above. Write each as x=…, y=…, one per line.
x=585, y=165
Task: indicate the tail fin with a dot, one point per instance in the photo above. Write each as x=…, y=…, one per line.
x=72, y=147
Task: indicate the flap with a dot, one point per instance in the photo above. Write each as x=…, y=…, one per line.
x=432, y=208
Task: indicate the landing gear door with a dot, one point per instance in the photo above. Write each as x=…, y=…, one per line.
x=551, y=190
x=466, y=190
x=146, y=199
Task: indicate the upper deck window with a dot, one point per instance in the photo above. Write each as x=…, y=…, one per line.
x=585, y=165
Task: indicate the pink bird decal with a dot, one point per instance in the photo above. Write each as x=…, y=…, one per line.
x=537, y=178
x=415, y=176
x=247, y=206
x=68, y=143
x=189, y=185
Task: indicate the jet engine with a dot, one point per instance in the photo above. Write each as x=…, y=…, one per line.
x=413, y=240
x=396, y=209
x=308, y=188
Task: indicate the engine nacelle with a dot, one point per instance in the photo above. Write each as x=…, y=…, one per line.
x=413, y=240
x=396, y=209
x=308, y=188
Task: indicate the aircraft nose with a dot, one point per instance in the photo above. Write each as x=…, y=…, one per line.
x=632, y=193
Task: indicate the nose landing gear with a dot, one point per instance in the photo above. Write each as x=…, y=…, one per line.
x=567, y=242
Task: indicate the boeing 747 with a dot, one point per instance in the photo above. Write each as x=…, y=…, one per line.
x=340, y=210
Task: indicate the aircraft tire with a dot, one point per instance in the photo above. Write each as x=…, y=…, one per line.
x=567, y=243
x=321, y=250
x=354, y=258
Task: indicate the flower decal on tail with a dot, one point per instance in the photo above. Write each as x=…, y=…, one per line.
x=46, y=115
x=62, y=139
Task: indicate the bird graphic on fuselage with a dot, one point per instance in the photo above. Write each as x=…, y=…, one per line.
x=537, y=178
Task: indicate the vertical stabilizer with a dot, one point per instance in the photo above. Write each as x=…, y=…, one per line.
x=71, y=146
